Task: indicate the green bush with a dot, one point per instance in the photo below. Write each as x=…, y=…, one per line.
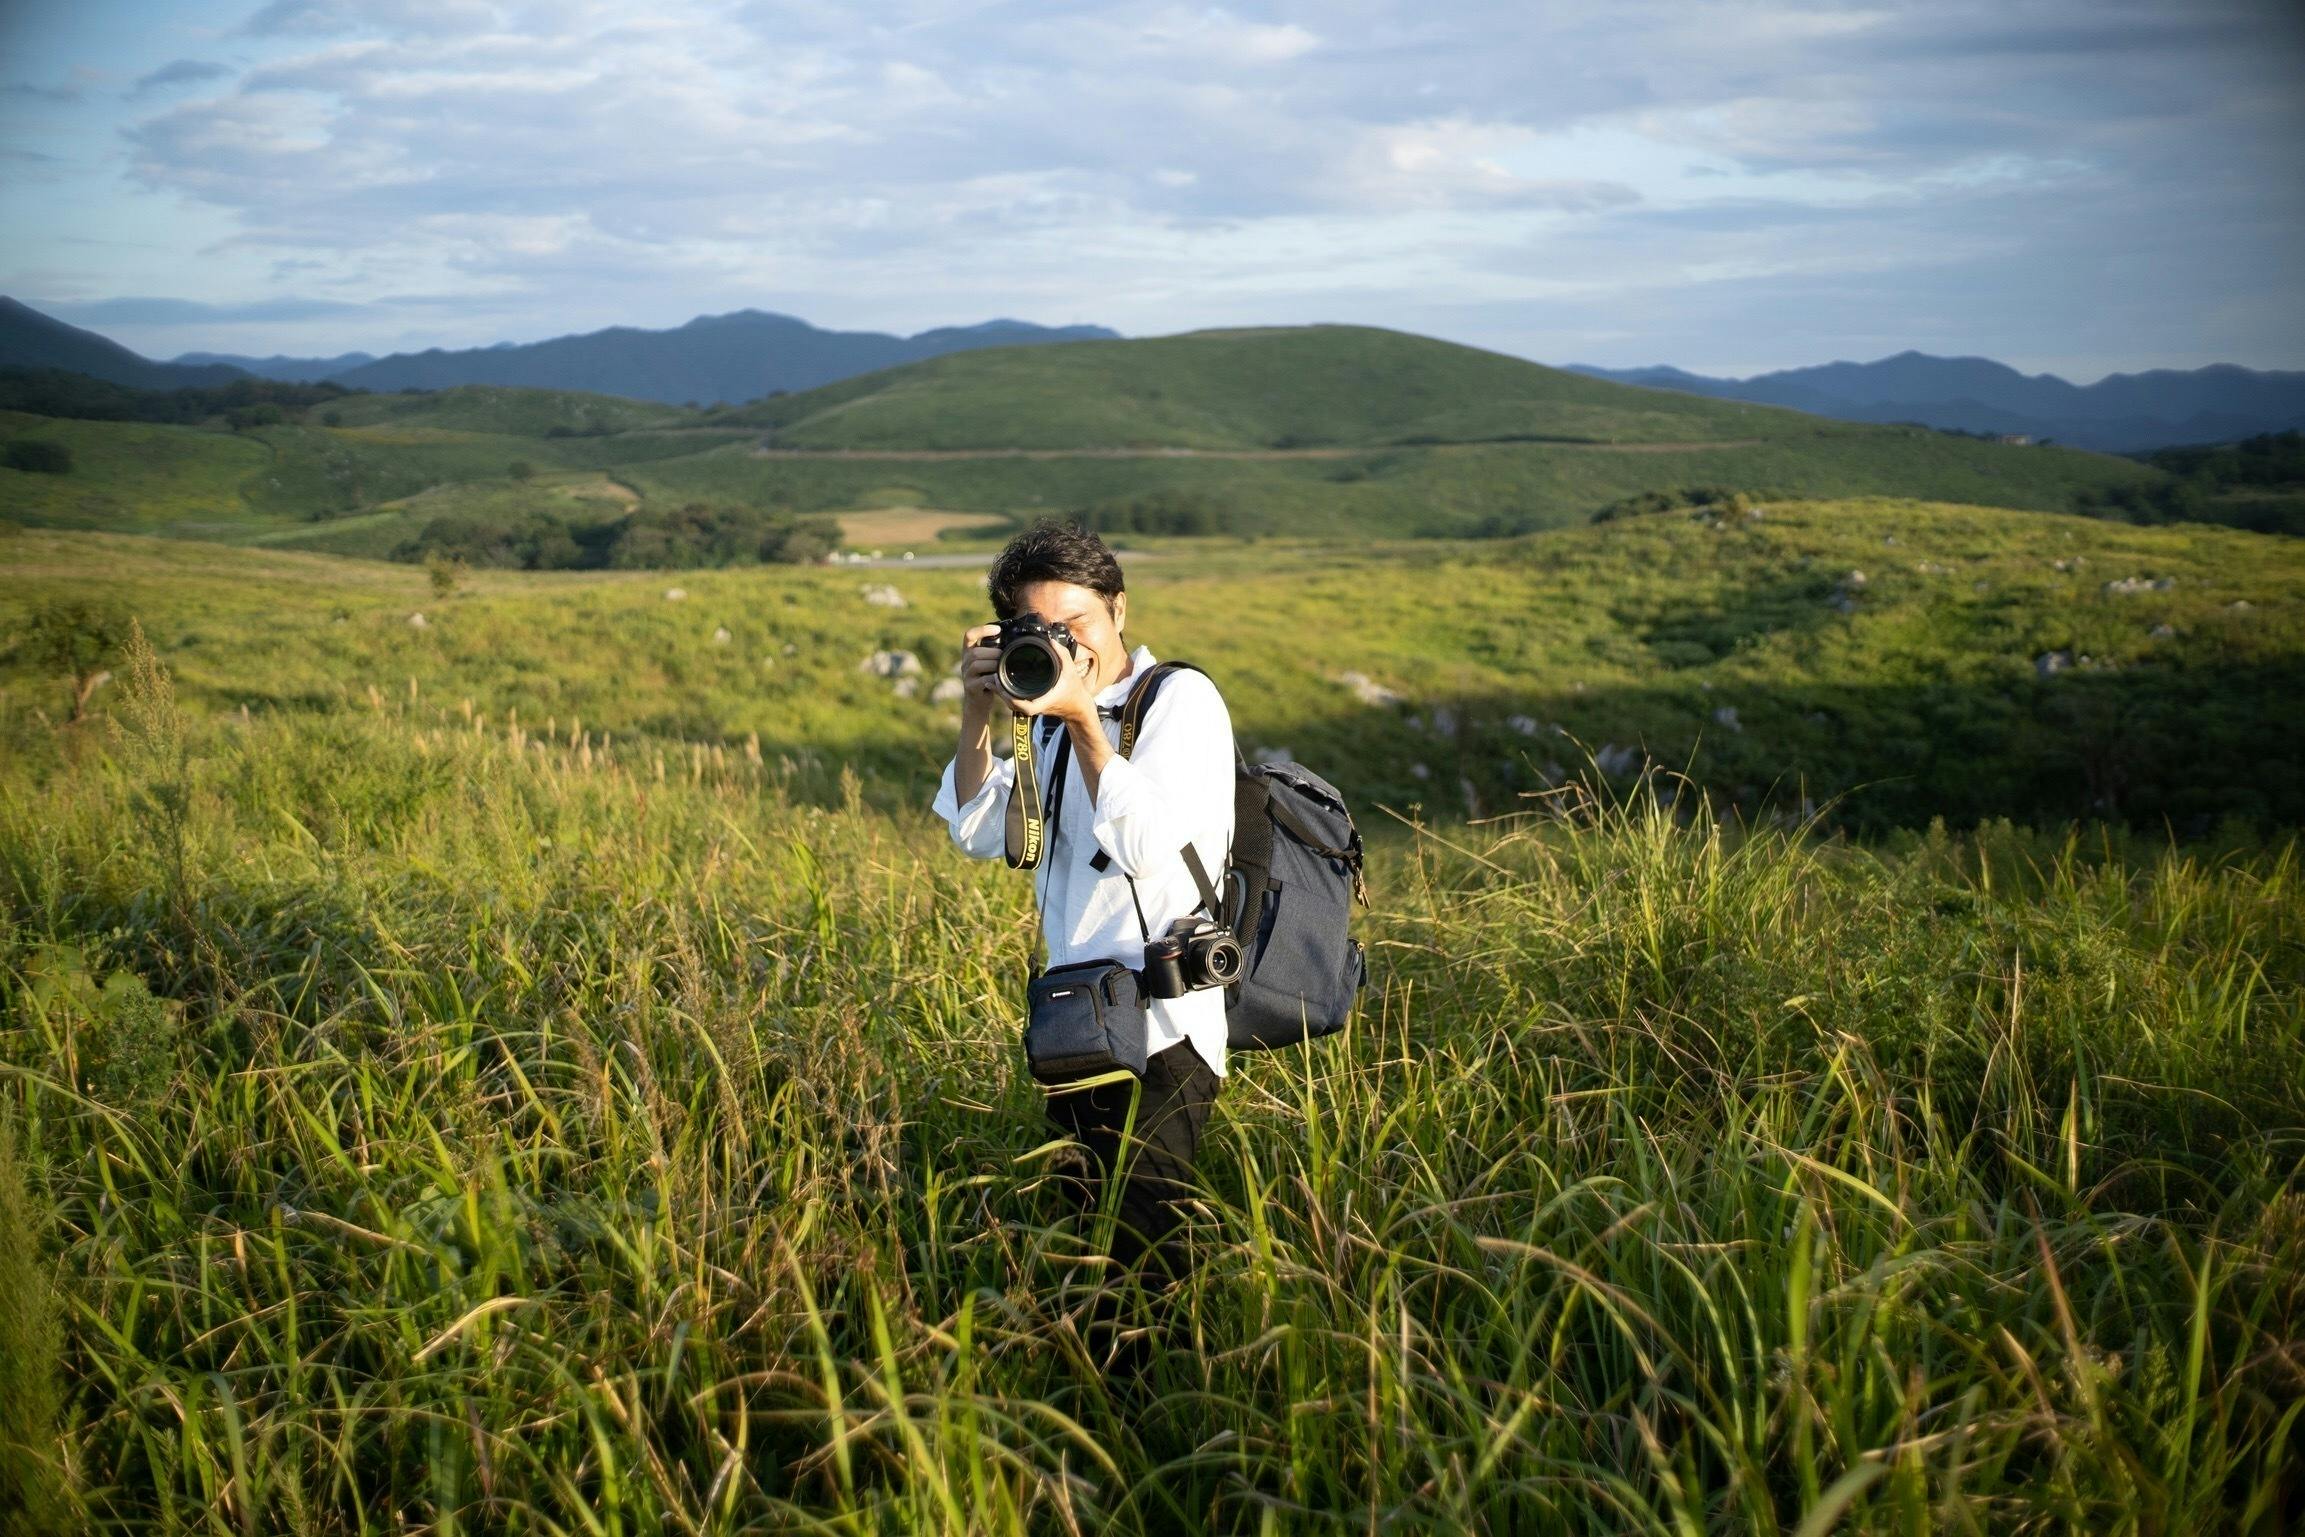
x=39, y=456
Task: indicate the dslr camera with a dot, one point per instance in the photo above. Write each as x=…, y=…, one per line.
x=1193, y=954
x=1033, y=655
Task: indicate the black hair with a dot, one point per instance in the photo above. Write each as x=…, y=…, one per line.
x=1052, y=550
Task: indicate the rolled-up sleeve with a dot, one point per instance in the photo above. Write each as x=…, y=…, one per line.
x=980, y=828
x=1177, y=787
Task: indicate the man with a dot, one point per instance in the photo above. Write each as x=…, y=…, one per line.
x=1112, y=820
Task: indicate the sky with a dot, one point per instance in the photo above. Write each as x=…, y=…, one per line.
x=2072, y=186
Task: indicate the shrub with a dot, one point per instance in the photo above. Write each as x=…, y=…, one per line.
x=77, y=637
x=40, y=456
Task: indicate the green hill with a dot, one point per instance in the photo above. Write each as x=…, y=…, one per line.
x=1324, y=431
x=505, y=409
x=1273, y=387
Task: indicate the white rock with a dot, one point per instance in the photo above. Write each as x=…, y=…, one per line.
x=675, y=594
x=1853, y=580
x=880, y=595
x=418, y=622
x=1726, y=715
x=2130, y=584
x=907, y=687
x=1420, y=771
x=721, y=637
x=946, y=692
x=1615, y=761
x=1444, y=723
x=891, y=664
x=1526, y=725
x=2050, y=663
x=2240, y=605
x=1367, y=690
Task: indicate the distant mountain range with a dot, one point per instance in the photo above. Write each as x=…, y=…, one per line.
x=713, y=359
x=2122, y=413
x=749, y=354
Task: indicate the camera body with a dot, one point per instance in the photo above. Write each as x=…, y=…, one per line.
x=1194, y=953
x=1033, y=655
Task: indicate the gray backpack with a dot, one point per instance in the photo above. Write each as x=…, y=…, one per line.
x=1289, y=886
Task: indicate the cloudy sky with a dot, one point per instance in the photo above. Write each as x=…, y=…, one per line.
x=2072, y=185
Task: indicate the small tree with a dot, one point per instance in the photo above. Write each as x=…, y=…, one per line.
x=521, y=469
x=41, y=456
x=446, y=572
x=78, y=638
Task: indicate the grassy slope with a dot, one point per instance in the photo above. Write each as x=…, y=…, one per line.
x=1267, y=388
x=209, y=484
x=1593, y=442
x=1417, y=490
x=502, y=409
x=1928, y=695
x=468, y=1124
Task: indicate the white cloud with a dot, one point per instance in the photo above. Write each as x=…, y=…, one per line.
x=903, y=161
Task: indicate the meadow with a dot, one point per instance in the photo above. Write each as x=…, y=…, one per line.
x=542, y=1069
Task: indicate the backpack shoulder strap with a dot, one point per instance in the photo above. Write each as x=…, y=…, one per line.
x=1140, y=699
x=1132, y=714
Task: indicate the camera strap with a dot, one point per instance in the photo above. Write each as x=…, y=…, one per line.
x=1029, y=822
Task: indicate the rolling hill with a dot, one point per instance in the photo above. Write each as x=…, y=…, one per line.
x=1331, y=430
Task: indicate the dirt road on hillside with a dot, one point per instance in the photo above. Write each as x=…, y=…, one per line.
x=918, y=455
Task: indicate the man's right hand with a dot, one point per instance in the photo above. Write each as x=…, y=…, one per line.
x=979, y=672
x=980, y=701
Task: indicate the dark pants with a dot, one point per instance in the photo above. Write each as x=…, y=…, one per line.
x=1156, y=1170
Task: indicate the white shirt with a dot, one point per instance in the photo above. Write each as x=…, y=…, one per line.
x=1175, y=787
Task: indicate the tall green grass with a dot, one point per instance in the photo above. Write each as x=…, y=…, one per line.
x=439, y=1122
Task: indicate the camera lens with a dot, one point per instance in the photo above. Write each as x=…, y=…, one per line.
x=1028, y=668
x=1221, y=961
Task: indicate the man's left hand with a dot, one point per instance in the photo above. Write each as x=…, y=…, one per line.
x=1070, y=700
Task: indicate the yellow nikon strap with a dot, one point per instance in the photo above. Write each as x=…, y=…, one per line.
x=1027, y=828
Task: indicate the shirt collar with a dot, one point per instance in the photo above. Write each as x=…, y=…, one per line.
x=1115, y=693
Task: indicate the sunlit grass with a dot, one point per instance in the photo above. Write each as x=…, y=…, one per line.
x=435, y=1121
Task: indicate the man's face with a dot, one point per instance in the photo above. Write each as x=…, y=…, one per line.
x=1094, y=629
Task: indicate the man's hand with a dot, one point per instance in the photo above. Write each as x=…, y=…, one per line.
x=1070, y=701
x=979, y=673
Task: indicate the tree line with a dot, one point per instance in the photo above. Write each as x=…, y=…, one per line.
x=645, y=539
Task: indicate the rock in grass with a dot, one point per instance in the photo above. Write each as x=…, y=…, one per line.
x=1726, y=715
x=418, y=622
x=881, y=595
x=675, y=594
x=2050, y=663
x=948, y=691
x=721, y=637
x=2132, y=584
x=891, y=664
x=1367, y=690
